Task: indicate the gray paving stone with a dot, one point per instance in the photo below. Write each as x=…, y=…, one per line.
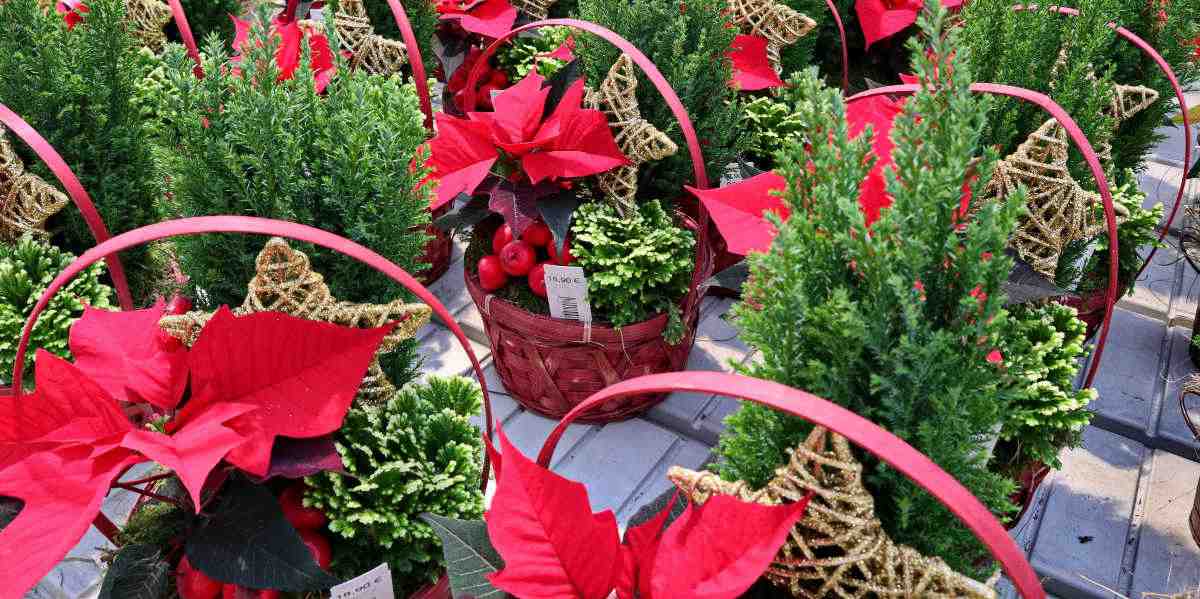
x=443, y=355
x=1127, y=380
x=1170, y=151
x=1171, y=434
x=616, y=460
x=1161, y=182
x=684, y=452
x=528, y=432
x=1086, y=522
x=1168, y=559
x=1156, y=286
x=449, y=288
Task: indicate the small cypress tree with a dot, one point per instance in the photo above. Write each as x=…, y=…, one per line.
x=897, y=321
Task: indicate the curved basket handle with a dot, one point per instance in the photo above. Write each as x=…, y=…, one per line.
x=75, y=190
x=1187, y=417
x=888, y=447
x=1166, y=69
x=256, y=226
x=420, y=79
x=837, y=18
x=1093, y=162
x=185, y=32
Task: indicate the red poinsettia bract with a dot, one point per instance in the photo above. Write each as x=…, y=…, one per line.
x=572, y=142
x=882, y=19
x=287, y=54
x=880, y=113
x=253, y=378
x=738, y=211
x=751, y=69
x=553, y=545
x=489, y=18
x=72, y=12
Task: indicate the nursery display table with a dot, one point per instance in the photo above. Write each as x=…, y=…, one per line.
x=1112, y=523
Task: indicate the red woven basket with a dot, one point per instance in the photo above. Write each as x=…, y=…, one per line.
x=437, y=251
x=551, y=365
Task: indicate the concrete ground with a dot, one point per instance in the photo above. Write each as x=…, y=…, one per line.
x=1112, y=523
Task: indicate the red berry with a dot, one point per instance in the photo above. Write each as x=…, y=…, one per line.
x=301, y=517
x=566, y=255
x=318, y=546
x=538, y=235
x=517, y=258
x=537, y=280
x=193, y=584
x=501, y=238
x=491, y=275
x=233, y=591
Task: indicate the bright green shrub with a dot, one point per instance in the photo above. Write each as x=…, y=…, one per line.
x=637, y=266
x=518, y=56
x=78, y=88
x=689, y=47
x=26, y=270
x=895, y=322
x=769, y=124
x=256, y=146
x=416, y=453
x=1041, y=349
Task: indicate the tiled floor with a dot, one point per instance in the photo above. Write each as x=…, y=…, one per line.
x=1112, y=523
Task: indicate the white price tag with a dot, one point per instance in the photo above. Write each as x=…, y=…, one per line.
x=566, y=290
x=376, y=584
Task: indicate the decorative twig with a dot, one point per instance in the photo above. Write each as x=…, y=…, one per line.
x=150, y=494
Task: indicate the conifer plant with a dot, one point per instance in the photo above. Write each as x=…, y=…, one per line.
x=900, y=320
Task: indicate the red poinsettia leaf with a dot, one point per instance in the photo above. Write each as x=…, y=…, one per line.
x=543, y=527
x=241, y=32
x=128, y=355
x=564, y=52
x=62, y=492
x=518, y=114
x=751, y=69
x=321, y=62
x=641, y=548
x=72, y=12
x=584, y=147
x=287, y=54
x=196, y=447
x=880, y=113
x=461, y=156
x=880, y=19
x=302, y=375
x=491, y=18
x=738, y=211
x=718, y=550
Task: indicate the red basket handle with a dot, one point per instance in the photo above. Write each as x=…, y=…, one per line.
x=837, y=18
x=1165, y=67
x=75, y=190
x=888, y=447
x=664, y=88
x=185, y=32
x=256, y=226
x=1093, y=162
x=1187, y=417
x=414, y=58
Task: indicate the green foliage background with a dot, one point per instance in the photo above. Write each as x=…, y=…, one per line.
x=78, y=88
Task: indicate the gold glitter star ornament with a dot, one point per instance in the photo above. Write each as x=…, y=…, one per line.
x=780, y=24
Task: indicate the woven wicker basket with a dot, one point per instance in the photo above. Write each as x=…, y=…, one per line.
x=550, y=365
x=437, y=251
x=1190, y=387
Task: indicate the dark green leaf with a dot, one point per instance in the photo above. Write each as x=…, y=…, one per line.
x=470, y=556
x=732, y=278
x=466, y=212
x=558, y=84
x=9, y=508
x=137, y=572
x=558, y=213
x=248, y=542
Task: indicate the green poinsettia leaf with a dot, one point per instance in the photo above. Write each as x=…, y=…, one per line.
x=558, y=213
x=248, y=542
x=470, y=556
x=137, y=572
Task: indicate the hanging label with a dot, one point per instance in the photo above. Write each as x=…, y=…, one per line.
x=566, y=290
x=376, y=584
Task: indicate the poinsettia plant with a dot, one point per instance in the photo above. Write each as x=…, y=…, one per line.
x=292, y=35
x=522, y=155
x=238, y=407
x=540, y=538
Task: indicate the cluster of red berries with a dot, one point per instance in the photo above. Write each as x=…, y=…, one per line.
x=308, y=521
x=524, y=257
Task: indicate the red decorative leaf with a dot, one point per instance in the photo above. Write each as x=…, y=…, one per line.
x=461, y=156
x=544, y=528
x=718, y=550
x=884, y=18
x=738, y=211
x=301, y=375
x=516, y=125
x=751, y=68
x=196, y=447
x=72, y=12
x=564, y=52
x=128, y=355
x=490, y=18
x=583, y=146
x=640, y=550
x=289, y=51
x=879, y=112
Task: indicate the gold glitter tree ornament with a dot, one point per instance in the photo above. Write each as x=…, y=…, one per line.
x=1060, y=210
x=839, y=548
x=26, y=201
x=371, y=51
x=148, y=18
x=536, y=9
x=285, y=282
x=639, y=140
x=780, y=24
